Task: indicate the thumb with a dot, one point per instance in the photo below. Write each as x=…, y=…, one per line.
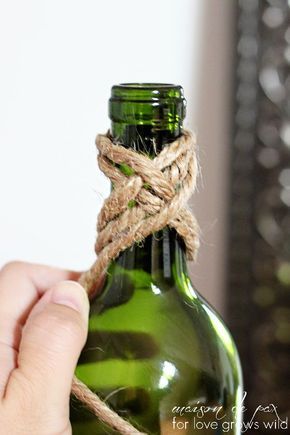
x=51, y=342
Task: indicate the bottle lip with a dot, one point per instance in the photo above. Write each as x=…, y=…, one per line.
x=146, y=85
x=146, y=92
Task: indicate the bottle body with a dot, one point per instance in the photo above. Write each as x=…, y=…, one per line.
x=155, y=347
x=156, y=352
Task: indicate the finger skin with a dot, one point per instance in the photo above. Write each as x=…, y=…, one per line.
x=52, y=339
x=51, y=342
x=21, y=287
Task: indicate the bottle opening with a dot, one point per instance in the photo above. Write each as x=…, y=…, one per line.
x=146, y=85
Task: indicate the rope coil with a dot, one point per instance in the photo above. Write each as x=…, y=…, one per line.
x=149, y=194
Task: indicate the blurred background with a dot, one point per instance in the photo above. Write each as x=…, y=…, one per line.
x=58, y=61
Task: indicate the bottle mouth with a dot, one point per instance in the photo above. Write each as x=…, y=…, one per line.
x=146, y=85
x=139, y=103
x=146, y=91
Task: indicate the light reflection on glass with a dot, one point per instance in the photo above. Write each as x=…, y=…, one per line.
x=221, y=330
x=189, y=290
x=238, y=411
x=168, y=373
x=155, y=289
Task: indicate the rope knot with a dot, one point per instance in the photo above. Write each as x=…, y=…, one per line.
x=148, y=194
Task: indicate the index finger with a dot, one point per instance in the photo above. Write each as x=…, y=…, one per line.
x=21, y=286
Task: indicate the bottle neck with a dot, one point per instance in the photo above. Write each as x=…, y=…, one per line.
x=144, y=138
x=163, y=253
x=160, y=258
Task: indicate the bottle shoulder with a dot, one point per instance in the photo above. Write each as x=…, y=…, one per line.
x=143, y=303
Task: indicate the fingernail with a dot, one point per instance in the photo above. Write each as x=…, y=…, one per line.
x=72, y=295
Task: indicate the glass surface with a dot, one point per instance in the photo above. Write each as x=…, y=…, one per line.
x=155, y=345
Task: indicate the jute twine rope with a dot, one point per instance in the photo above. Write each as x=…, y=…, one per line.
x=150, y=195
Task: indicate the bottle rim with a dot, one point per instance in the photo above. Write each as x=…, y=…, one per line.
x=146, y=92
x=146, y=85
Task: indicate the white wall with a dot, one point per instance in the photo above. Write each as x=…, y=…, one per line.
x=58, y=60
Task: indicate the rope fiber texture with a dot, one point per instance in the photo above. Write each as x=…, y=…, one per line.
x=148, y=195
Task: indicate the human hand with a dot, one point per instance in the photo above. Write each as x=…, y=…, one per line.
x=43, y=327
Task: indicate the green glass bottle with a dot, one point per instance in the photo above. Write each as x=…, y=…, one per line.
x=155, y=345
